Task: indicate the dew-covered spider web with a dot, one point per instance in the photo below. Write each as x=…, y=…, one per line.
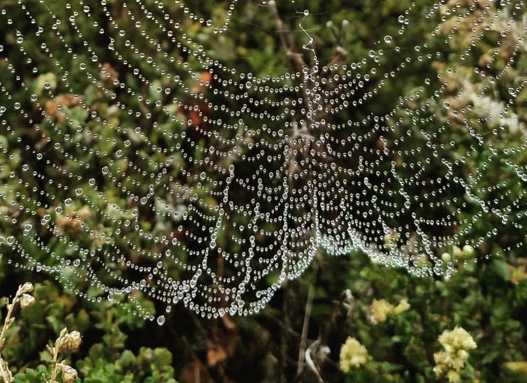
x=140, y=153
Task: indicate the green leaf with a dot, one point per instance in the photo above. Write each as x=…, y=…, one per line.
x=501, y=269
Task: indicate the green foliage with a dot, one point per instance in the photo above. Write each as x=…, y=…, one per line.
x=149, y=366
x=106, y=361
x=32, y=375
x=480, y=298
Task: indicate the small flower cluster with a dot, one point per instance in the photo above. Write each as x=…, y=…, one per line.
x=24, y=300
x=352, y=355
x=381, y=309
x=518, y=273
x=69, y=374
x=450, y=362
x=67, y=341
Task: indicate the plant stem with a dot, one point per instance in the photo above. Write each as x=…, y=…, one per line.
x=5, y=374
x=307, y=317
x=7, y=321
x=54, y=362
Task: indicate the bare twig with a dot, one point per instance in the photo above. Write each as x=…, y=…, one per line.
x=65, y=342
x=197, y=378
x=5, y=374
x=320, y=353
x=307, y=317
x=24, y=300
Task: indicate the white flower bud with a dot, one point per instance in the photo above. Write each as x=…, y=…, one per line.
x=69, y=374
x=26, y=288
x=26, y=301
x=70, y=342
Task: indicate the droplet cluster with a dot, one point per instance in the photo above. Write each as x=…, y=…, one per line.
x=134, y=160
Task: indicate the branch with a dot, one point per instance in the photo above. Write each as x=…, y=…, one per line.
x=307, y=317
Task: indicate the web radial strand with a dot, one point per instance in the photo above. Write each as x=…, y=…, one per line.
x=141, y=155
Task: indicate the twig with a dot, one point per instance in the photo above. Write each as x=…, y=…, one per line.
x=196, y=374
x=309, y=359
x=283, y=341
x=8, y=319
x=307, y=317
x=65, y=342
x=5, y=374
x=23, y=299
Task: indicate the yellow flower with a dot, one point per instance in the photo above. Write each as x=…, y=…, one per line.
x=450, y=362
x=518, y=274
x=458, y=338
x=380, y=309
x=517, y=367
x=402, y=307
x=352, y=355
x=453, y=376
x=463, y=339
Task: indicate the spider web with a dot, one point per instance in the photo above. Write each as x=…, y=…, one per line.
x=136, y=159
